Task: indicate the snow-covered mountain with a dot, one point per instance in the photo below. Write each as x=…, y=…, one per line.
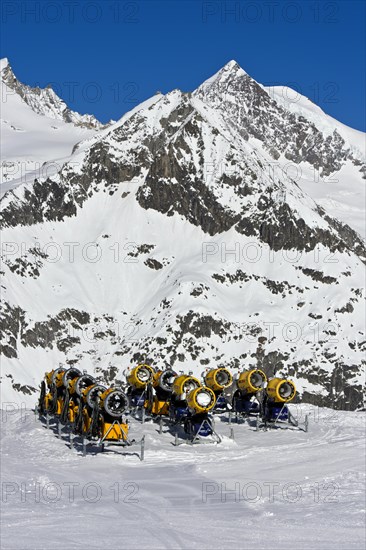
x=219, y=227
x=37, y=127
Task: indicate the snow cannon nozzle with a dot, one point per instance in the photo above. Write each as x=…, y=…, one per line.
x=218, y=379
x=201, y=400
x=281, y=390
x=79, y=384
x=251, y=381
x=184, y=384
x=164, y=380
x=114, y=402
x=92, y=393
x=140, y=376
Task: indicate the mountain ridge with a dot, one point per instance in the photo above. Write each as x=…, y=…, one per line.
x=170, y=199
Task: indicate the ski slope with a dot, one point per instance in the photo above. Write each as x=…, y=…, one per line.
x=282, y=488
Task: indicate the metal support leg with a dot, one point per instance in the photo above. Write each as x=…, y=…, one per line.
x=142, y=455
x=84, y=446
x=176, y=439
x=71, y=440
x=59, y=428
x=232, y=434
x=229, y=417
x=47, y=420
x=143, y=415
x=306, y=426
x=161, y=425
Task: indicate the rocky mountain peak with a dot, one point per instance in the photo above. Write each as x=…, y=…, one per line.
x=44, y=101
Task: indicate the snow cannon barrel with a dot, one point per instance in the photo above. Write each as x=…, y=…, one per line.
x=251, y=381
x=91, y=394
x=218, y=379
x=164, y=380
x=77, y=385
x=280, y=390
x=201, y=400
x=140, y=376
x=114, y=402
x=183, y=385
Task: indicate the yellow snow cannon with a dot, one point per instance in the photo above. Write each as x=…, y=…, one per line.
x=89, y=406
x=47, y=396
x=197, y=422
x=113, y=404
x=278, y=393
x=183, y=385
x=76, y=386
x=64, y=388
x=218, y=379
x=280, y=390
x=242, y=396
x=140, y=376
x=138, y=380
x=251, y=381
x=158, y=393
x=52, y=400
x=201, y=400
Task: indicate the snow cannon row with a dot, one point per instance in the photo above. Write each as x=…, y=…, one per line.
x=185, y=400
x=99, y=414
x=90, y=409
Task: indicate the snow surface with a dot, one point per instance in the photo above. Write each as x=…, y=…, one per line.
x=283, y=488
x=30, y=139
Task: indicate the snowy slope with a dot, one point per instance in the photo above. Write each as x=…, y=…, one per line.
x=169, y=238
x=342, y=194
x=36, y=128
x=277, y=489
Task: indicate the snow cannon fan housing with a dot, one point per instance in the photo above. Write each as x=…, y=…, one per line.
x=49, y=378
x=201, y=400
x=77, y=385
x=281, y=390
x=218, y=379
x=92, y=393
x=184, y=384
x=164, y=380
x=55, y=375
x=114, y=402
x=70, y=374
x=140, y=376
x=251, y=381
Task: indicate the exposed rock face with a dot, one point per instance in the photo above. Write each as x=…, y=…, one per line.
x=250, y=110
x=174, y=199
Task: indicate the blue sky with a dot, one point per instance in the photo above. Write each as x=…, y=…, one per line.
x=104, y=57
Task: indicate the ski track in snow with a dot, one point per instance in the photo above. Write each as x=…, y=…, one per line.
x=317, y=500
